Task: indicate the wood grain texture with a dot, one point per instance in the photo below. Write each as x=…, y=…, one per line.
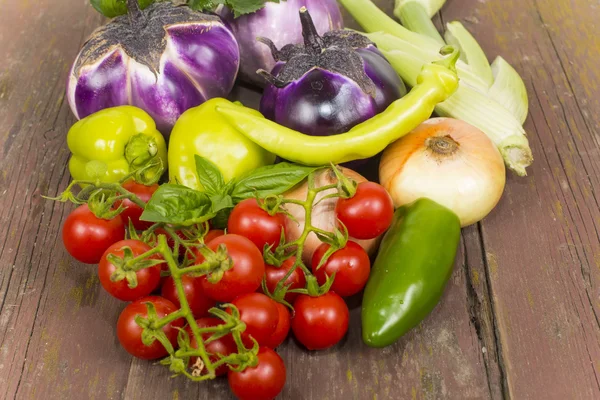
x=542, y=241
x=518, y=320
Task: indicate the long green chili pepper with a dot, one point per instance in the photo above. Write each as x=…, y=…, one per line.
x=436, y=82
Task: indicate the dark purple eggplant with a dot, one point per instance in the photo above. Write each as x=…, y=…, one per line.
x=328, y=84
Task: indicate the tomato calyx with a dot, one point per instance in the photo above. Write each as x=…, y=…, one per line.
x=337, y=240
x=346, y=187
x=215, y=265
x=127, y=266
x=152, y=326
x=313, y=289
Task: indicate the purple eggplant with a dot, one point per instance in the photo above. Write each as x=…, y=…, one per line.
x=279, y=22
x=328, y=84
x=165, y=60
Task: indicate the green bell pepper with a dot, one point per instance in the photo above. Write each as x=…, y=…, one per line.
x=410, y=273
x=203, y=131
x=112, y=143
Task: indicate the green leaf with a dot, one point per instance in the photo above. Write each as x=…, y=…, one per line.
x=270, y=180
x=221, y=202
x=241, y=7
x=178, y=205
x=209, y=176
x=113, y=8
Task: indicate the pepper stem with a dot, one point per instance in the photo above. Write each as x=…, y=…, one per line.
x=137, y=19
x=312, y=40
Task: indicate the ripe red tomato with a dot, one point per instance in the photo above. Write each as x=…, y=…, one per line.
x=148, y=279
x=213, y=234
x=350, y=264
x=283, y=327
x=194, y=294
x=133, y=211
x=261, y=315
x=223, y=346
x=130, y=333
x=245, y=276
x=251, y=221
x=263, y=382
x=273, y=275
x=320, y=322
x=369, y=213
x=86, y=237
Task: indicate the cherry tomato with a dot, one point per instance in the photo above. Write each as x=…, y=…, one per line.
x=261, y=315
x=263, y=382
x=194, y=294
x=130, y=333
x=213, y=234
x=223, y=346
x=273, y=275
x=350, y=264
x=283, y=327
x=244, y=277
x=148, y=279
x=320, y=322
x=369, y=213
x=251, y=221
x=132, y=211
x=86, y=237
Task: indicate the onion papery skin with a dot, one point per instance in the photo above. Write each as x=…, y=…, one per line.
x=323, y=213
x=470, y=181
x=278, y=22
x=176, y=60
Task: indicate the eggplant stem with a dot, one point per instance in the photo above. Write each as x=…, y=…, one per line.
x=137, y=19
x=273, y=80
x=274, y=50
x=312, y=40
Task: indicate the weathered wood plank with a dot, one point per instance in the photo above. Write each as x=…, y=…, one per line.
x=46, y=297
x=541, y=245
x=542, y=242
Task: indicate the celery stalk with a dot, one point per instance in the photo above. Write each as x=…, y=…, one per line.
x=509, y=89
x=372, y=19
x=386, y=41
x=470, y=51
x=431, y=7
x=414, y=16
x=478, y=110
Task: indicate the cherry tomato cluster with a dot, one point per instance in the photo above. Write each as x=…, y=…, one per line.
x=260, y=279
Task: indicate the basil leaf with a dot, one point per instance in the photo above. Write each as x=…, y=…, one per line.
x=270, y=180
x=178, y=205
x=221, y=202
x=209, y=176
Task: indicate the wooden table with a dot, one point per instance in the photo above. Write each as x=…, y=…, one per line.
x=520, y=318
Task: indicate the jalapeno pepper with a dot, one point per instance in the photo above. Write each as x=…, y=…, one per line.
x=436, y=82
x=410, y=273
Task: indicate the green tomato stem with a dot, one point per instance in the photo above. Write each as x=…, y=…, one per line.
x=184, y=305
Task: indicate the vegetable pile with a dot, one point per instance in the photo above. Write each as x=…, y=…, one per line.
x=225, y=229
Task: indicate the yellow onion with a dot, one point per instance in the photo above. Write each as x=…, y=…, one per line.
x=323, y=213
x=448, y=161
